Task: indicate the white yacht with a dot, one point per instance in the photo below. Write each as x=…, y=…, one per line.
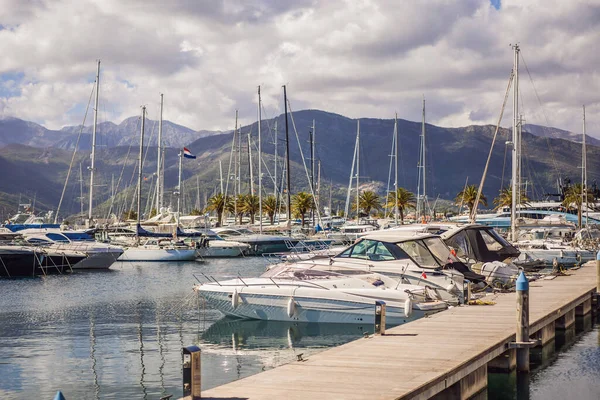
x=310, y=294
x=209, y=244
x=99, y=255
x=159, y=249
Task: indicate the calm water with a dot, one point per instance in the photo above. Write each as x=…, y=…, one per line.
x=119, y=334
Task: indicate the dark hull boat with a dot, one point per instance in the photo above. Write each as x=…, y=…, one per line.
x=21, y=261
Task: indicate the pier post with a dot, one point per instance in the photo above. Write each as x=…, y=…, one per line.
x=597, y=278
x=191, y=373
x=380, y=317
x=522, y=322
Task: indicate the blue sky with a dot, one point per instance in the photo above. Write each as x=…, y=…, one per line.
x=496, y=4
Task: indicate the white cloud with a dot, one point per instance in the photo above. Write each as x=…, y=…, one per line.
x=357, y=58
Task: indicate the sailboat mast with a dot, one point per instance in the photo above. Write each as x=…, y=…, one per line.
x=159, y=159
x=139, y=185
x=236, y=188
x=347, y=205
x=357, y=166
x=179, y=188
x=250, y=164
x=221, y=174
x=93, y=156
x=81, y=189
x=287, y=160
x=515, y=150
x=311, y=140
x=584, y=172
x=260, y=165
x=275, y=174
x=424, y=170
x=396, y=209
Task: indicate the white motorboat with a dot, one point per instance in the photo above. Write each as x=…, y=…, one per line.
x=159, y=249
x=309, y=294
x=209, y=244
x=99, y=255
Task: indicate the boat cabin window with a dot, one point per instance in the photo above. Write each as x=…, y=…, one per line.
x=460, y=242
x=439, y=250
x=373, y=250
x=57, y=237
x=417, y=250
x=491, y=242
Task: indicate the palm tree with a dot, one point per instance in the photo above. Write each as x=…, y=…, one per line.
x=468, y=196
x=302, y=203
x=573, y=199
x=236, y=204
x=250, y=205
x=369, y=200
x=405, y=201
x=218, y=203
x=504, y=199
x=269, y=207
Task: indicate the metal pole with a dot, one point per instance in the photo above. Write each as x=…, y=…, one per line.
x=424, y=208
x=250, y=164
x=357, y=167
x=93, y=156
x=259, y=165
x=179, y=188
x=396, y=169
x=287, y=160
x=159, y=159
x=522, y=322
x=140, y=163
x=515, y=140
x=312, y=166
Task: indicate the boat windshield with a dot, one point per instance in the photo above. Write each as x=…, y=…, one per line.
x=440, y=251
x=418, y=251
x=244, y=231
x=373, y=250
x=287, y=272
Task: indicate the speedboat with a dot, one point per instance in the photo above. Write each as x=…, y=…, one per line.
x=287, y=293
x=259, y=244
x=159, y=249
x=99, y=255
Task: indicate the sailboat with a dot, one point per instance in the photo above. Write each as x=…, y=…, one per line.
x=153, y=248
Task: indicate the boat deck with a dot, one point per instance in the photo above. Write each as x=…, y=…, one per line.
x=419, y=359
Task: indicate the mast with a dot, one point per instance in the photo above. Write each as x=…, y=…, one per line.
x=584, y=172
x=236, y=188
x=287, y=160
x=275, y=174
x=347, y=205
x=260, y=164
x=313, y=153
x=221, y=174
x=357, y=166
x=424, y=170
x=139, y=186
x=318, y=201
x=251, y=188
x=515, y=149
x=93, y=162
x=179, y=188
x=81, y=189
x=239, y=160
x=159, y=159
x=396, y=168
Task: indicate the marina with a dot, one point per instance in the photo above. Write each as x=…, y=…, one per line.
x=309, y=200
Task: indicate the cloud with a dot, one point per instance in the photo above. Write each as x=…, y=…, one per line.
x=358, y=58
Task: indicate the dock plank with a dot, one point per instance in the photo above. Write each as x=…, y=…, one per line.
x=418, y=358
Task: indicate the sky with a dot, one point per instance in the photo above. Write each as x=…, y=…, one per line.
x=358, y=58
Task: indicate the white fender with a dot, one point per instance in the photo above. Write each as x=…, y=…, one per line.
x=291, y=307
x=235, y=299
x=408, y=308
x=451, y=288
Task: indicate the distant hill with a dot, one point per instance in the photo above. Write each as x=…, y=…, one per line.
x=555, y=133
x=453, y=156
x=16, y=131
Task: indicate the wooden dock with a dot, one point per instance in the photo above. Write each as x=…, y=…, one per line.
x=444, y=356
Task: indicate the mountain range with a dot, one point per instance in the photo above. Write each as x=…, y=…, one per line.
x=38, y=159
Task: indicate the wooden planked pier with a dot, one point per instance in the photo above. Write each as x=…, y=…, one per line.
x=444, y=356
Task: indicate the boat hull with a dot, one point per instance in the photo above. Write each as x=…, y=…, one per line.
x=141, y=254
x=99, y=260
x=310, y=309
